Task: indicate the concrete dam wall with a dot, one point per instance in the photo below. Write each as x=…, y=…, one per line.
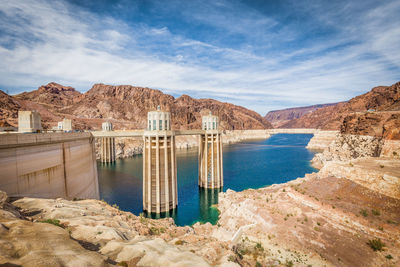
x=48, y=165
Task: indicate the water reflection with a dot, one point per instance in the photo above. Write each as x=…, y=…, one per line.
x=208, y=198
x=208, y=213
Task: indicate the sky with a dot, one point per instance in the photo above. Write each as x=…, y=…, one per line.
x=264, y=55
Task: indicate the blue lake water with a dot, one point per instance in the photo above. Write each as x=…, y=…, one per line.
x=249, y=164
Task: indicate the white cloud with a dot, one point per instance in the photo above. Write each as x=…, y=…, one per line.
x=46, y=41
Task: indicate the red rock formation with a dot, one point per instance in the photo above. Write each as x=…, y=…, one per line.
x=280, y=117
x=52, y=94
x=127, y=106
x=381, y=101
x=379, y=124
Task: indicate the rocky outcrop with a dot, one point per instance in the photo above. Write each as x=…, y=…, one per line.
x=27, y=243
x=379, y=124
x=58, y=232
x=279, y=117
x=377, y=174
x=314, y=221
x=321, y=140
x=391, y=149
x=346, y=147
x=52, y=95
x=370, y=161
x=381, y=99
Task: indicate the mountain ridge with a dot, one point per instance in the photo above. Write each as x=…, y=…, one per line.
x=126, y=106
x=282, y=116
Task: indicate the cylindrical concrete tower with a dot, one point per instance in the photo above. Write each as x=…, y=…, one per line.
x=159, y=164
x=211, y=173
x=107, y=145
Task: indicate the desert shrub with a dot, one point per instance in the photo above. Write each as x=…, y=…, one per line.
x=179, y=242
x=289, y=263
x=231, y=258
x=376, y=244
x=389, y=257
x=364, y=212
x=375, y=212
x=154, y=230
x=54, y=222
x=259, y=246
x=258, y=264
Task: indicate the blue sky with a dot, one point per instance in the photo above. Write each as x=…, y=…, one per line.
x=263, y=55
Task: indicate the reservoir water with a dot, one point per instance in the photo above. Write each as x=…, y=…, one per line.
x=249, y=164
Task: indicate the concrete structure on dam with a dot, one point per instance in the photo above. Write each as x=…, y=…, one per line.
x=29, y=122
x=65, y=125
x=160, y=192
x=48, y=165
x=107, y=145
x=210, y=154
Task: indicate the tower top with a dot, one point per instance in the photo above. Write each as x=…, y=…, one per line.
x=210, y=122
x=158, y=120
x=107, y=126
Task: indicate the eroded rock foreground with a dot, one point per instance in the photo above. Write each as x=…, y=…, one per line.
x=336, y=217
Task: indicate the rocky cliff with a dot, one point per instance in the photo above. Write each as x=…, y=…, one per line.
x=125, y=106
x=361, y=114
x=280, y=117
x=371, y=161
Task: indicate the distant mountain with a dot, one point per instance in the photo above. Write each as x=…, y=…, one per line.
x=374, y=113
x=280, y=117
x=125, y=106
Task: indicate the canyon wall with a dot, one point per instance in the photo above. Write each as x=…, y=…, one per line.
x=363, y=114
x=48, y=165
x=371, y=161
x=279, y=117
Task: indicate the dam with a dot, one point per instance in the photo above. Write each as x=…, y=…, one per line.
x=48, y=165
